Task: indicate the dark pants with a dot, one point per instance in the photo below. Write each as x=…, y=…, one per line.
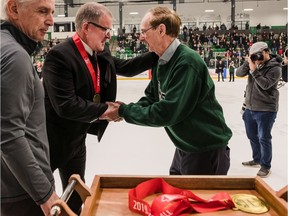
x=258, y=129
x=232, y=77
x=75, y=165
x=21, y=208
x=222, y=76
x=206, y=163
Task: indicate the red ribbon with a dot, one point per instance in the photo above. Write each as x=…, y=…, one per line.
x=173, y=201
x=95, y=77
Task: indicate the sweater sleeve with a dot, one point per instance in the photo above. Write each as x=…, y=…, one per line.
x=267, y=79
x=177, y=99
x=243, y=70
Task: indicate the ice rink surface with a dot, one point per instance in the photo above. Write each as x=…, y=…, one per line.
x=127, y=149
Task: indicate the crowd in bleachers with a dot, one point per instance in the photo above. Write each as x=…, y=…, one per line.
x=38, y=59
x=213, y=43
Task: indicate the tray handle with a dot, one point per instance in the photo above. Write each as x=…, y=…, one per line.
x=282, y=193
x=60, y=206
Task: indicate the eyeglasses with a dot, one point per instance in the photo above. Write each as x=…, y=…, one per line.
x=107, y=30
x=143, y=32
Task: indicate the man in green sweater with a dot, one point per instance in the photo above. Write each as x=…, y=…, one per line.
x=180, y=98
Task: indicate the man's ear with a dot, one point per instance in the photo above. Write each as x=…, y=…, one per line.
x=12, y=9
x=85, y=27
x=162, y=28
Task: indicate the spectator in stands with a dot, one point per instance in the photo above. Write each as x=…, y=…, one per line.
x=274, y=46
x=202, y=38
x=181, y=98
x=255, y=38
x=134, y=29
x=190, y=31
x=247, y=25
x=264, y=36
x=121, y=38
x=280, y=50
x=223, y=26
x=271, y=35
x=185, y=33
x=282, y=39
x=234, y=27
x=215, y=39
x=27, y=182
x=184, y=28
x=204, y=27
x=38, y=68
x=79, y=77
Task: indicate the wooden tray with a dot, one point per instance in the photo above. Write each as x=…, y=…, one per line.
x=110, y=193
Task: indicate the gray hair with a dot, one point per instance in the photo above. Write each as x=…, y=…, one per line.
x=90, y=12
x=4, y=7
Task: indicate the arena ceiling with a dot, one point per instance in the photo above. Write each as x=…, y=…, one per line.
x=80, y=2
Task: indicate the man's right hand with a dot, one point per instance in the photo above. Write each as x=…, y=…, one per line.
x=46, y=207
x=111, y=114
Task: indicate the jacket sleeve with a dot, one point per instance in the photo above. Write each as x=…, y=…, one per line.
x=60, y=77
x=18, y=157
x=243, y=70
x=267, y=77
x=135, y=66
x=182, y=95
x=17, y=104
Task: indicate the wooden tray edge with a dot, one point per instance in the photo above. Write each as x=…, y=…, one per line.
x=185, y=182
x=279, y=205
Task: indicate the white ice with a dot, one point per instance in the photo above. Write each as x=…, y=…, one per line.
x=127, y=149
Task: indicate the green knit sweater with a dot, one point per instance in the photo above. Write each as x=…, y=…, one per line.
x=181, y=98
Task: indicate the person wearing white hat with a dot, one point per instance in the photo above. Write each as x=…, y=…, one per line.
x=261, y=100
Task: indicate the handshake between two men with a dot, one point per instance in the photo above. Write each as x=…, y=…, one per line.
x=112, y=113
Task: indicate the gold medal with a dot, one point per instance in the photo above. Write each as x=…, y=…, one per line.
x=97, y=98
x=249, y=203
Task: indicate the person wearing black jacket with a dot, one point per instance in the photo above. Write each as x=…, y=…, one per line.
x=79, y=77
x=220, y=70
